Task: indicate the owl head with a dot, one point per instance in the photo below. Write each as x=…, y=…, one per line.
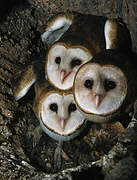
x=106, y=87
x=73, y=39
x=58, y=114
x=55, y=109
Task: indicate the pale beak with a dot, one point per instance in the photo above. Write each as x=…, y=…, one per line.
x=97, y=99
x=64, y=75
x=62, y=124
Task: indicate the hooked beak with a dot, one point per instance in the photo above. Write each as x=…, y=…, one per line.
x=64, y=75
x=61, y=123
x=97, y=99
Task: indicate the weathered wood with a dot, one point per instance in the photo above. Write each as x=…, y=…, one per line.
x=21, y=24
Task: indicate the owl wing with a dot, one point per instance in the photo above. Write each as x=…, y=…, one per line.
x=22, y=81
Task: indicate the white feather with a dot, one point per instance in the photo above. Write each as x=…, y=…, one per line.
x=66, y=55
x=24, y=90
x=56, y=30
x=48, y=118
x=58, y=137
x=112, y=99
x=107, y=30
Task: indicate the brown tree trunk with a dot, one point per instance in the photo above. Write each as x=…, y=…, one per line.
x=21, y=24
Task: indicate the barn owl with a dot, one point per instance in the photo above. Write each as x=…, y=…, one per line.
x=55, y=109
x=106, y=87
x=59, y=118
x=74, y=38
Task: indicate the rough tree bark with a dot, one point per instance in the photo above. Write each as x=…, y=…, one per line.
x=111, y=147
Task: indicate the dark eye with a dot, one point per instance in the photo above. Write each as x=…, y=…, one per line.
x=76, y=62
x=88, y=83
x=53, y=107
x=108, y=85
x=72, y=107
x=57, y=60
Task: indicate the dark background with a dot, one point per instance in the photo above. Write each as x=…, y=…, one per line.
x=21, y=24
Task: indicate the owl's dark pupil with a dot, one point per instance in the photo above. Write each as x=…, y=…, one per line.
x=76, y=62
x=88, y=83
x=108, y=85
x=72, y=107
x=57, y=60
x=53, y=107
